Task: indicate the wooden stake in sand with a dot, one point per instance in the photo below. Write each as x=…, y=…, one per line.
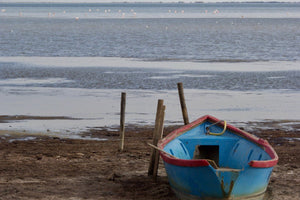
x=122, y=120
x=157, y=134
x=182, y=103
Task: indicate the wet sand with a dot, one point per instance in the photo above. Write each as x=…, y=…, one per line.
x=55, y=168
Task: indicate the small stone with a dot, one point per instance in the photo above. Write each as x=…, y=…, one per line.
x=113, y=176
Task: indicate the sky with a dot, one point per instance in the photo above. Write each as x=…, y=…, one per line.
x=107, y=1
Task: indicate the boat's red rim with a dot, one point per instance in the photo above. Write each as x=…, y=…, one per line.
x=197, y=163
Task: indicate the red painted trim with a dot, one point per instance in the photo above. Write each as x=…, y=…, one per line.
x=266, y=163
x=195, y=163
x=184, y=163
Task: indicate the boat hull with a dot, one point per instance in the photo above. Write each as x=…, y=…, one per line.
x=184, y=196
x=206, y=182
x=243, y=169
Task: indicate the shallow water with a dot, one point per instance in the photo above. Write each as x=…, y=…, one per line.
x=16, y=74
x=90, y=108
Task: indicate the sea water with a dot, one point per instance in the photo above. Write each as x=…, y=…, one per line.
x=237, y=61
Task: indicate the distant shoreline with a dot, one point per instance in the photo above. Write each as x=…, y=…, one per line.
x=91, y=133
x=47, y=2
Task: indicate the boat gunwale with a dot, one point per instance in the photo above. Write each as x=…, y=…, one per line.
x=203, y=162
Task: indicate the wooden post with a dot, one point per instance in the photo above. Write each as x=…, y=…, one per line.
x=182, y=103
x=157, y=134
x=122, y=120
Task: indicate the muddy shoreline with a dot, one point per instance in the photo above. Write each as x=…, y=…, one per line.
x=53, y=168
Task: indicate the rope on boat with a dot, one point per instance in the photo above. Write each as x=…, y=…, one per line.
x=217, y=134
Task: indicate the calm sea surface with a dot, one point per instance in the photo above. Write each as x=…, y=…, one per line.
x=255, y=46
x=197, y=32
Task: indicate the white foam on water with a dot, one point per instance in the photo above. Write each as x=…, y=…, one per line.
x=22, y=139
x=29, y=81
x=276, y=77
x=183, y=75
x=260, y=66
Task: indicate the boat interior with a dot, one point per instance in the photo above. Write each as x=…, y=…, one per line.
x=228, y=150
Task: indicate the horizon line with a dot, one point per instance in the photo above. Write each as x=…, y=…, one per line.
x=136, y=1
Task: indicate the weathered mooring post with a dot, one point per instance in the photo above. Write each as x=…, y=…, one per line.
x=122, y=120
x=182, y=103
x=157, y=134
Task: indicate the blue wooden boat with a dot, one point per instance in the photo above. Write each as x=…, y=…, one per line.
x=208, y=159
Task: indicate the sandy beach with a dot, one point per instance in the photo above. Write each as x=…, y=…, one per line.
x=53, y=168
